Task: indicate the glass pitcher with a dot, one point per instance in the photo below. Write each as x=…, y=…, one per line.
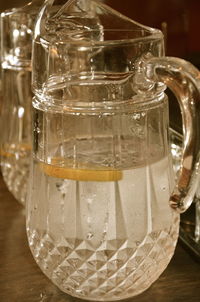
x=16, y=36
x=103, y=207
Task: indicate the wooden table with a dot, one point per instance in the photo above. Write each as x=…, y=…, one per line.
x=22, y=281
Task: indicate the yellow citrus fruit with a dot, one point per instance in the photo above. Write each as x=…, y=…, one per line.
x=5, y=153
x=81, y=174
x=9, y=150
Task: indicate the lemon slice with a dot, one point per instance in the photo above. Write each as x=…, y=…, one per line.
x=81, y=174
x=9, y=150
x=6, y=154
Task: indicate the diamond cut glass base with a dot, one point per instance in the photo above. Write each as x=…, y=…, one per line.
x=112, y=271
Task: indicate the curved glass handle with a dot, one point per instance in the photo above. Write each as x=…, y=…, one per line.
x=184, y=81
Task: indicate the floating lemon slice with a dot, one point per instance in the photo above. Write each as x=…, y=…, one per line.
x=83, y=174
x=9, y=150
x=5, y=153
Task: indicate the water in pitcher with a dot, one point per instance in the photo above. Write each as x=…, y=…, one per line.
x=15, y=161
x=99, y=223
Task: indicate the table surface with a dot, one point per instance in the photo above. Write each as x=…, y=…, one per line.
x=22, y=281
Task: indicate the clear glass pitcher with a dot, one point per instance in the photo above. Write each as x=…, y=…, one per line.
x=16, y=36
x=103, y=207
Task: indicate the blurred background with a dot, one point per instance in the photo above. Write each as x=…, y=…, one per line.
x=178, y=19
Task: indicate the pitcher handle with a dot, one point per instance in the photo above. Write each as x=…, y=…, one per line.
x=184, y=81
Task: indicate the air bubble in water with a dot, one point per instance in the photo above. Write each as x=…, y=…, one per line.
x=90, y=235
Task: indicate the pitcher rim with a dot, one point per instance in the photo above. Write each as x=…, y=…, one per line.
x=154, y=35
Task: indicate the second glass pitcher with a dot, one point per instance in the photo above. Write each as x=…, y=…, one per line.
x=103, y=207
x=15, y=144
